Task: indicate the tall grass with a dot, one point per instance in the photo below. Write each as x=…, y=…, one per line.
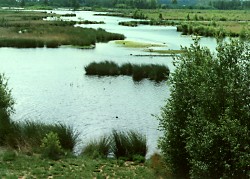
x=138, y=72
x=105, y=68
x=97, y=148
x=28, y=135
x=129, y=145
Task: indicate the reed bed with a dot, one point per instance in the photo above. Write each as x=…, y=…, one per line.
x=29, y=30
x=153, y=72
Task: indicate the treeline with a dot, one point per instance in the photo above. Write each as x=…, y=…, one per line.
x=140, y=4
x=234, y=4
x=56, y=3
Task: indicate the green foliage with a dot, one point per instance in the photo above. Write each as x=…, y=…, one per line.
x=206, y=121
x=51, y=147
x=98, y=148
x=9, y=156
x=6, y=109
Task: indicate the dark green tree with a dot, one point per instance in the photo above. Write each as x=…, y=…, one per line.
x=46, y=2
x=6, y=109
x=22, y=3
x=206, y=121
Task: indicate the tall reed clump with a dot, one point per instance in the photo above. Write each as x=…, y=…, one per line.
x=32, y=134
x=129, y=146
x=105, y=68
x=97, y=148
x=138, y=72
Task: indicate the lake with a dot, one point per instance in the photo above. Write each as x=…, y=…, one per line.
x=50, y=85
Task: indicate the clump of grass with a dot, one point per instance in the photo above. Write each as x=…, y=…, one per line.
x=129, y=145
x=97, y=148
x=105, y=68
x=29, y=135
x=126, y=69
x=138, y=72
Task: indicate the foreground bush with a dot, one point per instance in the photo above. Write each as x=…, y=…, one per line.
x=206, y=121
x=138, y=72
x=51, y=147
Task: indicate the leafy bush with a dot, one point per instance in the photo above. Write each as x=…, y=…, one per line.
x=51, y=147
x=206, y=121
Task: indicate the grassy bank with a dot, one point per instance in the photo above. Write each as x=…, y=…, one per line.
x=17, y=165
x=138, y=72
x=23, y=29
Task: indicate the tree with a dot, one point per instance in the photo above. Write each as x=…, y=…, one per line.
x=22, y=3
x=46, y=2
x=6, y=109
x=206, y=121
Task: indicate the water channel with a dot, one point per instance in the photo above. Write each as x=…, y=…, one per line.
x=49, y=85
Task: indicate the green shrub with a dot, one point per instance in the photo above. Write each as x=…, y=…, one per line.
x=6, y=109
x=98, y=148
x=51, y=147
x=206, y=121
x=102, y=69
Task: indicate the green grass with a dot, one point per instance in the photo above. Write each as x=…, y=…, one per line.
x=153, y=72
x=23, y=166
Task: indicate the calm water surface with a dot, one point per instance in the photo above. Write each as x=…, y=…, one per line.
x=49, y=85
